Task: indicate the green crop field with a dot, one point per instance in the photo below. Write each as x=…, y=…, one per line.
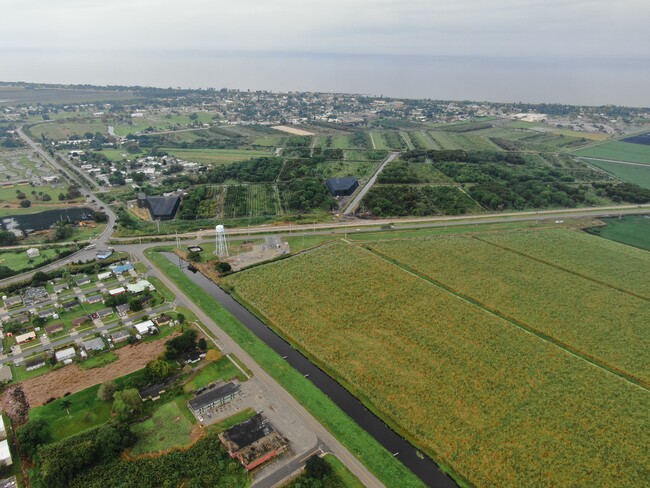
x=167, y=428
x=268, y=141
x=591, y=319
x=633, y=230
x=64, y=129
x=422, y=140
x=443, y=140
x=215, y=156
x=619, y=151
x=584, y=255
x=250, y=201
x=341, y=142
x=638, y=174
x=379, y=140
x=495, y=403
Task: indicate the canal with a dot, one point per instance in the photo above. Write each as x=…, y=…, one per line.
x=422, y=466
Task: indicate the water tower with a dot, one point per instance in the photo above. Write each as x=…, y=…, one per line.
x=221, y=248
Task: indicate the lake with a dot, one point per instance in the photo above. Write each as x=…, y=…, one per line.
x=535, y=80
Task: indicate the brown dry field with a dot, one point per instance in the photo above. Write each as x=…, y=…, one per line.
x=73, y=379
x=292, y=130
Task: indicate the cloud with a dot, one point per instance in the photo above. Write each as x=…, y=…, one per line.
x=461, y=27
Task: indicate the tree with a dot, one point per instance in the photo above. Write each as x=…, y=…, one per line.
x=158, y=370
x=39, y=278
x=127, y=403
x=223, y=267
x=203, y=345
x=25, y=203
x=61, y=196
x=65, y=405
x=194, y=256
x=181, y=318
x=7, y=238
x=317, y=468
x=107, y=390
x=33, y=434
x=182, y=344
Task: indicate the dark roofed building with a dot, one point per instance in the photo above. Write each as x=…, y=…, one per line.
x=153, y=392
x=123, y=309
x=214, y=398
x=340, y=187
x=80, y=321
x=54, y=328
x=163, y=208
x=245, y=433
x=33, y=364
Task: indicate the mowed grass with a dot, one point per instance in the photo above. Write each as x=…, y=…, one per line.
x=633, y=230
x=341, y=142
x=166, y=429
x=215, y=156
x=619, y=151
x=499, y=405
x=8, y=194
x=222, y=370
x=18, y=261
x=637, y=174
x=593, y=320
x=379, y=140
x=64, y=129
x=86, y=410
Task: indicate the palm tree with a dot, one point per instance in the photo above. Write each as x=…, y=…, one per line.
x=66, y=404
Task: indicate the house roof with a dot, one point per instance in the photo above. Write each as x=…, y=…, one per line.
x=34, y=362
x=120, y=334
x=5, y=455
x=95, y=344
x=152, y=390
x=212, y=396
x=65, y=353
x=54, y=327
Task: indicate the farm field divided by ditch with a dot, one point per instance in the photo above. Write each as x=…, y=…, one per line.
x=497, y=404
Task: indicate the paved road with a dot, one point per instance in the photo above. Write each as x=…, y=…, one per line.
x=289, y=404
x=369, y=184
x=618, y=161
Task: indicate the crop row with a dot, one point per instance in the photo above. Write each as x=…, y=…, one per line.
x=497, y=404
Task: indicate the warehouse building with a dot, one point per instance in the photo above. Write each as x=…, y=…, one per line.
x=160, y=208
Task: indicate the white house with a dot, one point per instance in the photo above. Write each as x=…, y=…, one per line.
x=145, y=327
x=65, y=354
x=5, y=454
x=117, y=291
x=140, y=286
x=3, y=431
x=104, y=276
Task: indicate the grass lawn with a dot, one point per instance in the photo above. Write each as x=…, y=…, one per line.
x=639, y=175
x=349, y=480
x=619, y=151
x=222, y=370
x=633, y=230
x=389, y=470
x=341, y=142
x=99, y=361
x=238, y=418
x=167, y=428
x=86, y=410
x=379, y=140
x=8, y=194
x=17, y=261
x=215, y=156
x=120, y=154
x=63, y=129
x=269, y=141
x=21, y=373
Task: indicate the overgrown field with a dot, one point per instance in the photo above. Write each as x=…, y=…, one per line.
x=591, y=319
x=638, y=174
x=499, y=405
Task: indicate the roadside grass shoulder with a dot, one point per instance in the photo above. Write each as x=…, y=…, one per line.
x=389, y=470
x=343, y=473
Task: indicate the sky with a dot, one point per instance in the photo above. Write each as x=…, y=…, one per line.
x=506, y=28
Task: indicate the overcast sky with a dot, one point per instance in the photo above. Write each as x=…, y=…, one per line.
x=594, y=28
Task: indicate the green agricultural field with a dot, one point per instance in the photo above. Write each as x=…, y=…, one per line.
x=619, y=151
x=379, y=141
x=639, y=174
x=633, y=230
x=19, y=95
x=341, y=142
x=443, y=140
x=555, y=304
x=498, y=405
x=268, y=141
x=472, y=142
x=166, y=429
x=423, y=140
x=64, y=129
x=250, y=201
x=583, y=255
x=215, y=156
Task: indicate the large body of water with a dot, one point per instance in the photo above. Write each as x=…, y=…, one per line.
x=536, y=80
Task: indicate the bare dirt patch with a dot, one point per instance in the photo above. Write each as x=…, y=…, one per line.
x=72, y=378
x=292, y=130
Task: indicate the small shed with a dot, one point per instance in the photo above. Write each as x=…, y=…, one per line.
x=33, y=252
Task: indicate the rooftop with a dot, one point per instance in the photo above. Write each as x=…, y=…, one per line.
x=213, y=395
x=244, y=434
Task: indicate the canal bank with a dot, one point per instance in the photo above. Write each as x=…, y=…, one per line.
x=420, y=465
